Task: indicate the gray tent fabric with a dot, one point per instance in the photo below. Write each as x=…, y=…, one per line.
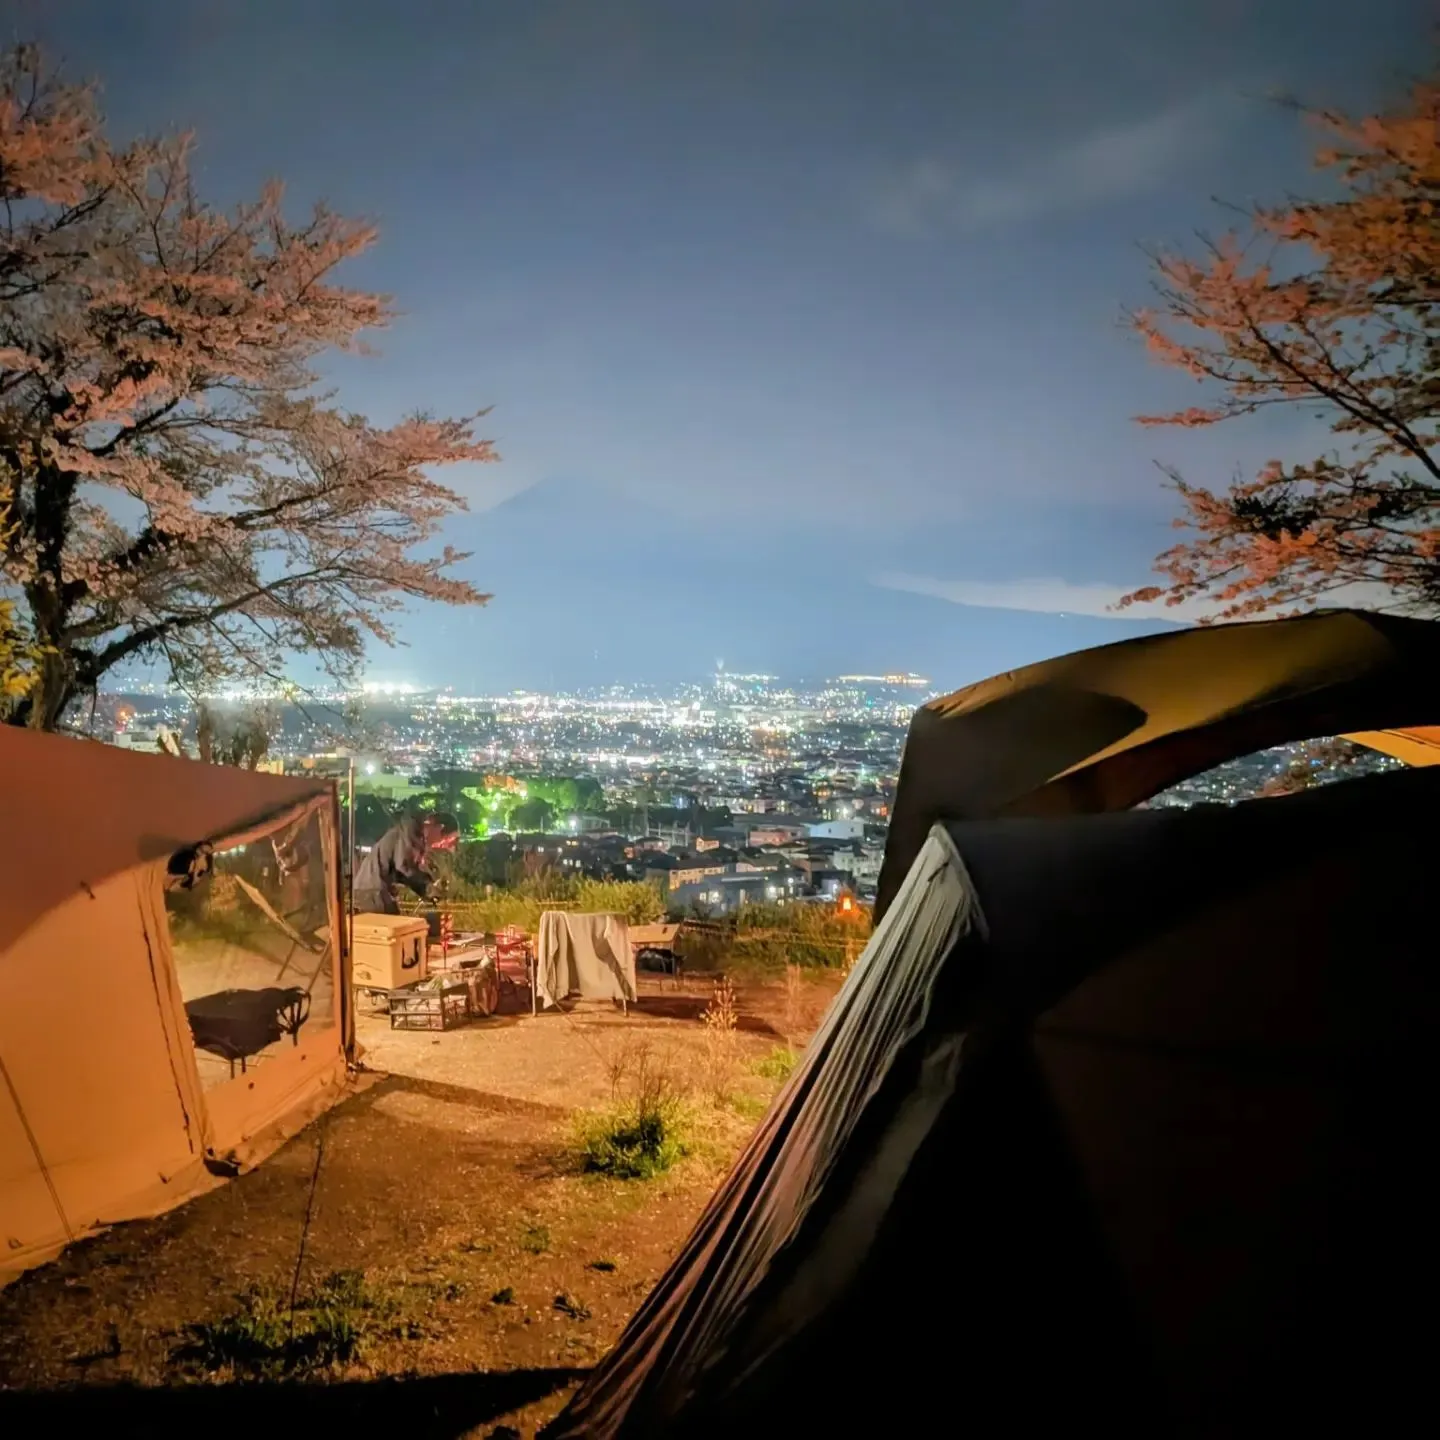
x=765, y=1204
x=588, y=955
x=1119, y=1119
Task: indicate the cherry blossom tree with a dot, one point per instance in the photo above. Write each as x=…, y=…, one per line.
x=1330, y=307
x=173, y=486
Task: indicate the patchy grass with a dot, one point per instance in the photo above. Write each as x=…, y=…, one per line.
x=567, y=1304
x=264, y=1339
x=535, y=1239
x=750, y=1108
x=778, y=1064
x=763, y=940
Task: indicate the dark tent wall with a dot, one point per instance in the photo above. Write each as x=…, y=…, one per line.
x=1104, y=729
x=1122, y=1118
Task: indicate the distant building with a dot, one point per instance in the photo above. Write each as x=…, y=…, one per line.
x=725, y=894
x=864, y=866
x=738, y=804
x=828, y=882
x=683, y=876
x=853, y=829
x=775, y=830
x=767, y=860
x=145, y=737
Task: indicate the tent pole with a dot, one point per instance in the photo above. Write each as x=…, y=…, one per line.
x=36, y=1151
x=350, y=866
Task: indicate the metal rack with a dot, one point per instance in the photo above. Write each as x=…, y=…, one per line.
x=430, y=1005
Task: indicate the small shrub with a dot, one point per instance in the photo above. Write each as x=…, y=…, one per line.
x=721, y=1018
x=778, y=1064
x=705, y=949
x=637, y=901
x=524, y=902
x=765, y=938
x=639, y=1136
x=605, y=1267
x=504, y=1296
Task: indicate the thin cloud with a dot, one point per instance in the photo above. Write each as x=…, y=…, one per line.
x=1050, y=596
x=1053, y=596
x=1108, y=163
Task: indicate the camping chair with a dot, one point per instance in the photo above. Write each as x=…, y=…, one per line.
x=513, y=949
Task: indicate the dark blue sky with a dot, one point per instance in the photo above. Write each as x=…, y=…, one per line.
x=800, y=318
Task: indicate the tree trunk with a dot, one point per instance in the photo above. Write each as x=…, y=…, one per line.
x=49, y=697
x=54, y=689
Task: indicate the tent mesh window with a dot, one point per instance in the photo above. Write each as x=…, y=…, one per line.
x=252, y=949
x=1282, y=770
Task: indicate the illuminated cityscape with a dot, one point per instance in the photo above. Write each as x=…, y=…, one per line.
x=743, y=787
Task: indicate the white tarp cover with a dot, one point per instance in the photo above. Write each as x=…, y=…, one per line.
x=586, y=955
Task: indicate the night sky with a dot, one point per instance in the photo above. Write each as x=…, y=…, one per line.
x=800, y=318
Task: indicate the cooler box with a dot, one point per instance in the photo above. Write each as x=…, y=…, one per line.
x=389, y=951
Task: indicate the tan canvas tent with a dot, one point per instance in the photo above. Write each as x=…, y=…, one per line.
x=1119, y=1121
x=172, y=996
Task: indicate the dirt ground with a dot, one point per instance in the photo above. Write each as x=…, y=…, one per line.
x=450, y=1180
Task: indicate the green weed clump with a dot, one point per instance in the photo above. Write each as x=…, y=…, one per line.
x=626, y=1144
x=263, y=1339
x=641, y=1134
x=778, y=1064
